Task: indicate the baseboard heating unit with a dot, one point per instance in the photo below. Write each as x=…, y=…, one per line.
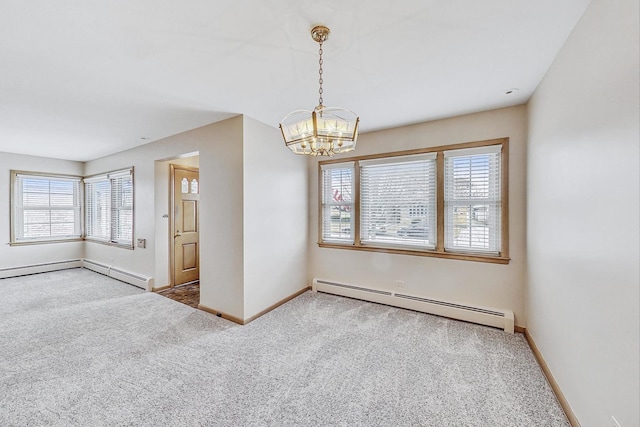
x=134, y=279
x=496, y=318
x=39, y=268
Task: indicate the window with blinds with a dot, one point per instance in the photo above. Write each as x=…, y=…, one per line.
x=45, y=208
x=472, y=199
x=109, y=207
x=443, y=201
x=337, y=191
x=398, y=201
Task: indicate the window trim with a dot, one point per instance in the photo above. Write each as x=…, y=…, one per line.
x=12, y=207
x=439, y=252
x=109, y=175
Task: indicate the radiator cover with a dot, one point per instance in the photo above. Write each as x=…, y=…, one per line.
x=496, y=318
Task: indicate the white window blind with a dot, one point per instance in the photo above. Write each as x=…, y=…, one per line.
x=46, y=208
x=398, y=201
x=473, y=199
x=109, y=207
x=337, y=202
x=98, y=209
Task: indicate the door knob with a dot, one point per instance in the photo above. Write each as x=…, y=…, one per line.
x=178, y=234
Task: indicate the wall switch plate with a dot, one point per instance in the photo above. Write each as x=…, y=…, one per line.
x=142, y=243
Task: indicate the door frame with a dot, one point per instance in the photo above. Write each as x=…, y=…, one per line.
x=172, y=219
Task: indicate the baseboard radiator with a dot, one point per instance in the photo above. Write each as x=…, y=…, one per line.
x=496, y=318
x=134, y=279
x=39, y=268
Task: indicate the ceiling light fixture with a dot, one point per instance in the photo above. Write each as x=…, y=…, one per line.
x=325, y=131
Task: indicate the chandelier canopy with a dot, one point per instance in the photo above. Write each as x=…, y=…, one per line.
x=325, y=131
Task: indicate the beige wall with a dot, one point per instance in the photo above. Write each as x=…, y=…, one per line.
x=220, y=149
x=247, y=180
x=221, y=225
x=583, y=235
x=490, y=285
x=275, y=218
x=578, y=235
x=16, y=256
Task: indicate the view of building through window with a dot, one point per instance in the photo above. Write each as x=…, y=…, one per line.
x=398, y=201
x=337, y=209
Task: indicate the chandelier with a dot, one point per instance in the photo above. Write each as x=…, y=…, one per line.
x=325, y=131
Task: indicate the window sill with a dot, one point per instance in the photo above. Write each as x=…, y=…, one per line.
x=104, y=242
x=492, y=259
x=44, y=242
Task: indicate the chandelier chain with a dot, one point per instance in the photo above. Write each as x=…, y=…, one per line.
x=320, y=71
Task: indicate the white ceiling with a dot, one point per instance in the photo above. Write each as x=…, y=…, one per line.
x=81, y=79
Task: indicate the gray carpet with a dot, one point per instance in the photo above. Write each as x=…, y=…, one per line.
x=80, y=349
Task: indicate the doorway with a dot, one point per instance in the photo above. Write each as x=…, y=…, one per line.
x=184, y=235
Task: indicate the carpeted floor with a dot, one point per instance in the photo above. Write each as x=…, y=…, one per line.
x=80, y=349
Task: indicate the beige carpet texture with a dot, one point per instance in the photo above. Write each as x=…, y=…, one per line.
x=80, y=349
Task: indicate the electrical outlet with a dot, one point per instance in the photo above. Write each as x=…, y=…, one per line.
x=616, y=423
x=399, y=283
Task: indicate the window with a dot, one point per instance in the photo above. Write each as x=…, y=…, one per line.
x=448, y=202
x=398, y=201
x=472, y=199
x=337, y=203
x=45, y=208
x=109, y=207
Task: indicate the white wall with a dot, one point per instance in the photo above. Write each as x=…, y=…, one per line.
x=16, y=256
x=275, y=218
x=583, y=236
x=491, y=285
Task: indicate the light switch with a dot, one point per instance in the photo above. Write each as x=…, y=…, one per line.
x=142, y=243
